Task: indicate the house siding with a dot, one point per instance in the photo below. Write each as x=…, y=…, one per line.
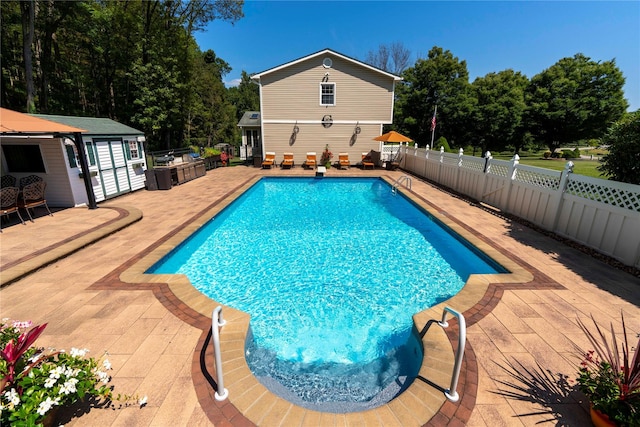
x=290, y=96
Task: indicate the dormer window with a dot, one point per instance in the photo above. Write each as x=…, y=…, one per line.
x=327, y=94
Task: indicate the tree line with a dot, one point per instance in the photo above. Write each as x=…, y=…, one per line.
x=135, y=61
x=575, y=99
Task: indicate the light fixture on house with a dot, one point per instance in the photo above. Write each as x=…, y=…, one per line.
x=327, y=121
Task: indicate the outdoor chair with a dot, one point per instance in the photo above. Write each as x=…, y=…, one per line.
x=366, y=161
x=311, y=161
x=269, y=160
x=287, y=163
x=26, y=180
x=343, y=160
x=33, y=196
x=7, y=181
x=9, y=201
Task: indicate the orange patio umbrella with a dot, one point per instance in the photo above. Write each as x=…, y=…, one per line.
x=393, y=136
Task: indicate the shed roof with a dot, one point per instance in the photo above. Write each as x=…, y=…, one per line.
x=250, y=118
x=324, y=52
x=93, y=125
x=13, y=122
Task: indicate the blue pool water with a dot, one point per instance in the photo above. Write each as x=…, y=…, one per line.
x=331, y=271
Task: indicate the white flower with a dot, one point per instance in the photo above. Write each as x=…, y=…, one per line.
x=106, y=364
x=143, y=401
x=35, y=358
x=69, y=386
x=55, y=373
x=76, y=352
x=104, y=377
x=44, y=407
x=50, y=382
x=22, y=325
x=12, y=396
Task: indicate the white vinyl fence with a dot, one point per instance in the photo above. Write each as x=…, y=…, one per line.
x=598, y=213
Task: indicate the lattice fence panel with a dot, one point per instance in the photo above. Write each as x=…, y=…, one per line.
x=538, y=179
x=499, y=169
x=620, y=197
x=473, y=163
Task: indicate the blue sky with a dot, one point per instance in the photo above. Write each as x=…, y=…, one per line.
x=526, y=36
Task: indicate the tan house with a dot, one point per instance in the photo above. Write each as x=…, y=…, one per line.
x=324, y=98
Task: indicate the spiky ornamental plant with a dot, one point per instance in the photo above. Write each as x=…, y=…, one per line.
x=609, y=375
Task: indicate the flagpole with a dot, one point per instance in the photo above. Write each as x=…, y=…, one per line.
x=433, y=125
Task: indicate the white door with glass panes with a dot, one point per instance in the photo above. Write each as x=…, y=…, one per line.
x=112, y=167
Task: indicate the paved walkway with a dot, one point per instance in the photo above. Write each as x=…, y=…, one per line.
x=519, y=366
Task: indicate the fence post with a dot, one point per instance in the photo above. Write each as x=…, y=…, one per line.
x=564, y=181
x=459, y=170
x=513, y=173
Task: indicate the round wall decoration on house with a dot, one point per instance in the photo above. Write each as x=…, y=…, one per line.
x=327, y=62
x=327, y=121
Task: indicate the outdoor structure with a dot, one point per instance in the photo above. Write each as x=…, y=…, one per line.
x=59, y=149
x=325, y=98
x=249, y=125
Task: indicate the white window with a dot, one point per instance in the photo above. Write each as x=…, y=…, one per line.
x=133, y=149
x=327, y=94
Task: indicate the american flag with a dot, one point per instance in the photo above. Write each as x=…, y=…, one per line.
x=433, y=121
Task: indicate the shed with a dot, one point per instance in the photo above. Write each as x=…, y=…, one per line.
x=112, y=152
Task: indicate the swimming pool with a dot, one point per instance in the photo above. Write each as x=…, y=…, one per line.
x=346, y=265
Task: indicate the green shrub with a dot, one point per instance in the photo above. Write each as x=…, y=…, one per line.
x=209, y=152
x=547, y=154
x=442, y=142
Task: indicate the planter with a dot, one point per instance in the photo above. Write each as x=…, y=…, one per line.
x=51, y=417
x=600, y=420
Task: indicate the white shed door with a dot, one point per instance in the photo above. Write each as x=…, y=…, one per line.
x=112, y=165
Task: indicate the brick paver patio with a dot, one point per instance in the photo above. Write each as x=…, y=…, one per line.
x=519, y=362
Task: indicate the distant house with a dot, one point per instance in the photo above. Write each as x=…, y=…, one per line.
x=324, y=98
x=114, y=152
x=249, y=125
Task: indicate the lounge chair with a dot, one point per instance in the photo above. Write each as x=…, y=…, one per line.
x=343, y=160
x=32, y=196
x=366, y=161
x=311, y=161
x=287, y=163
x=269, y=160
x=9, y=201
x=26, y=180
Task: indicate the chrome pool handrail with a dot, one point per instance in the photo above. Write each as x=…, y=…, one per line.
x=451, y=393
x=216, y=322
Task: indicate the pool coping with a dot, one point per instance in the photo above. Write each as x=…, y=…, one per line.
x=250, y=403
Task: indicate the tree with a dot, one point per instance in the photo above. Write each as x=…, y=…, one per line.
x=393, y=58
x=498, y=115
x=623, y=161
x=576, y=98
x=246, y=96
x=440, y=80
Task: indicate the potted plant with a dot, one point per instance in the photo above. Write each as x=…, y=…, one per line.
x=609, y=376
x=34, y=381
x=326, y=156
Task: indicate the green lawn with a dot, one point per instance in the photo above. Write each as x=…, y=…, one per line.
x=581, y=167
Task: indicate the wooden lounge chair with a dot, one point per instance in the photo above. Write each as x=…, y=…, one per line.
x=343, y=160
x=9, y=201
x=287, y=163
x=32, y=196
x=311, y=161
x=366, y=161
x=269, y=160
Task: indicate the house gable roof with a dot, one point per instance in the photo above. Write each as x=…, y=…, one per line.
x=93, y=125
x=13, y=123
x=257, y=76
x=249, y=119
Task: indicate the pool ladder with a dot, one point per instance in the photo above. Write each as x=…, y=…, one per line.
x=403, y=179
x=216, y=323
x=451, y=393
